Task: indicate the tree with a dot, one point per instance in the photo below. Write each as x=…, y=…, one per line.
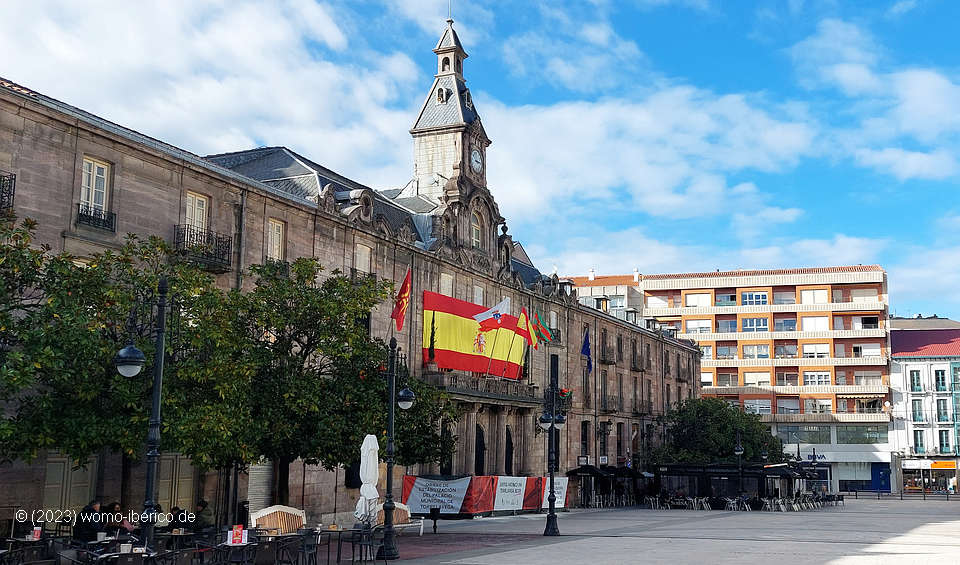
x=704, y=430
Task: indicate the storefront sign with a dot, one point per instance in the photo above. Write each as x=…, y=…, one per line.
x=915, y=464
x=943, y=465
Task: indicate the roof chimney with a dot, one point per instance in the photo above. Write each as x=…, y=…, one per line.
x=636, y=274
x=592, y=276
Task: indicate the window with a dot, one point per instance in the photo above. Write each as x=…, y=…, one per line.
x=940, y=376
x=917, y=408
x=554, y=320
x=787, y=379
x=275, y=240
x=619, y=439
x=785, y=325
x=585, y=387
x=696, y=300
x=816, y=378
x=813, y=296
x=361, y=258
x=944, y=441
x=668, y=400
x=804, y=434
x=867, y=378
x=756, y=379
x=753, y=298
x=585, y=437
x=649, y=396
x=698, y=326
x=477, y=294
x=840, y=378
x=785, y=297
x=728, y=379
x=756, y=405
x=788, y=405
x=726, y=352
x=476, y=230
x=817, y=405
x=619, y=347
x=726, y=326
x=707, y=351
x=814, y=323
x=726, y=299
x=446, y=284
x=756, y=351
x=816, y=350
x=755, y=324
x=646, y=352
x=866, y=350
x=943, y=414
x=915, y=382
x=785, y=351
x=918, y=441
x=862, y=434
x=863, y=295
x=655, y=301
x=94, y=185
x=706, y=379
x=869, y=322
x=197, y=209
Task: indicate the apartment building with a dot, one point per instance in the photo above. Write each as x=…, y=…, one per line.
x=925, y=378
x=806, y=349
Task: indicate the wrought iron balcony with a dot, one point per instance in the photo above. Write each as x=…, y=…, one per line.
x=606, y=355
x=470, y=386
x=212, y=249
x=8, y=184
x=636, y=364
x=96, y=217
x=610, y=403
x=557, y=336
x=360, y=276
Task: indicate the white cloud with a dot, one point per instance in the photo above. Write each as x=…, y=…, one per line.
x=839, y=53
x=757, y=224
x=474, y=22
x=905, y=165
x=900, y=8
x=927, y=275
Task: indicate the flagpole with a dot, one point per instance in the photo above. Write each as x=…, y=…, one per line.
x=492, y=348
x=509, y=351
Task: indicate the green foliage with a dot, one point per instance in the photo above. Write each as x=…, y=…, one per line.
x=704, y=430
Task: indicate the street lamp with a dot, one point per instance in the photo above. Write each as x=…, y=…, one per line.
x=738, y=451
x=764, y=455
x=129, y=361
x=552, y=419
x=404, y=399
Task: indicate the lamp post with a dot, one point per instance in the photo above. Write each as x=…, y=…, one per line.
x=552, y=419
x=129, y=362
x=738, y=451
x=404, y=399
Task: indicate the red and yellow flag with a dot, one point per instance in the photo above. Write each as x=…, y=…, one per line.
x=526, y=330
x=458, y=342
x=402, y=302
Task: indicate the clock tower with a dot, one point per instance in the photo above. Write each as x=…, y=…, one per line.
x=449, y=141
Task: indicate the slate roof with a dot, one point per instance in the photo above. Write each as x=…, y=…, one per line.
x=925, y=343
x=449, y=39
x=453, y=112
x=528, y=273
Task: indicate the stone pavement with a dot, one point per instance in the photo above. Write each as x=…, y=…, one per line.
x=862, y=532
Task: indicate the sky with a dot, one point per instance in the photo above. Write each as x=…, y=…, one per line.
x=662, y=135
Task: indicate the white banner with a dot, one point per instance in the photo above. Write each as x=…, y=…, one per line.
x=510, y=493
x=445, y=495
x=916, y=464
x=559, y=490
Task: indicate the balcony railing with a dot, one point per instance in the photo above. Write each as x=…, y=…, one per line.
x=606, y=355
x=8, y=185
x=469, y=385
x=610, y=403
x=557, y=336
x=96, y=217
x=360, y=276
x=637, y=406
x=210, y=248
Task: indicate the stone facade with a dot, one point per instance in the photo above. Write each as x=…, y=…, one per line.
x=324, y=215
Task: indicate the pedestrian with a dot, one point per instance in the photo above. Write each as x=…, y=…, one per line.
x=204, y=517
x=89, y=523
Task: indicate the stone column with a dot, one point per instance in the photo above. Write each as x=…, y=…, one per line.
x=469, y=440
x=498, y=421
x=521, y=442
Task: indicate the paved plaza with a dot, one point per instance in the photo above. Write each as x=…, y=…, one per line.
x=862, y=532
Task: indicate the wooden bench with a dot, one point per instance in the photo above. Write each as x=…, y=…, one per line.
x=401, y=517
x=283, y=519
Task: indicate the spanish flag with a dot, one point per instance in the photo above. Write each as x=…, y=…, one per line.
x=455, y=339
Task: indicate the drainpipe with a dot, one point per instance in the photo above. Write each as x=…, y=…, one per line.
x=240, y=214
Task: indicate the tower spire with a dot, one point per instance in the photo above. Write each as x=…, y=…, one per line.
x=450, y=52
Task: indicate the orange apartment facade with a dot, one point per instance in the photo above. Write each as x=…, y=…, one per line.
x=806, y=349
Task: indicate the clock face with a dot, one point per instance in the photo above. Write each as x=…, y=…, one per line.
x=476, y=161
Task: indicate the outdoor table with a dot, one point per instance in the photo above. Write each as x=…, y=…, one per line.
x=340, y=537
x=177, y=541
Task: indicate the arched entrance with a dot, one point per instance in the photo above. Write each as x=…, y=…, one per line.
x=508, y=454
x=480, y=453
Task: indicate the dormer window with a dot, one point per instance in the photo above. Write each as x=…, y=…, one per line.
x=445, y=65
x=441, y=95
x=476, y=231
x=467, y=100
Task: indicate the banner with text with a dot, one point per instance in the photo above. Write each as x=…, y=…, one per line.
x=559, y=490
x=423, y=494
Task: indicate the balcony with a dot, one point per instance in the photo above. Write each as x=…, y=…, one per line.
x=557, y=336
x=635, y=364
x=96, y=218
x=824, y=417
x=469, y=387
x=878, y=390
x=606, y=355
x=8, y=185
x=609, y=404
x=359, y=276
x=778, y=334
x=658, y=311
x=637, y=407
x=793, y=362
x=209, y=248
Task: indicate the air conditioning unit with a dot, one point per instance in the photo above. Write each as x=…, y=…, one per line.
x=583, y=460
x=603, y=459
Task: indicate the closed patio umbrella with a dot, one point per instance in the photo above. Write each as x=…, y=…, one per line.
x=369, y=474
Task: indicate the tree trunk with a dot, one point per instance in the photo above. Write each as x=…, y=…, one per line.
x=283, y=481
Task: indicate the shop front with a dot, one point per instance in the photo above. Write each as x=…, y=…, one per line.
x=929, y=475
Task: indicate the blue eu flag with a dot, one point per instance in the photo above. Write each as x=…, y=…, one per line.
x=585, y=350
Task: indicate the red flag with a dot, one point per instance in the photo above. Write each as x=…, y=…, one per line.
x=401, y=302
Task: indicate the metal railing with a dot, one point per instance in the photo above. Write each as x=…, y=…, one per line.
x=213, y=249
x=610, y=403
x=8, y=185
x=489, y=387
x=96, y=217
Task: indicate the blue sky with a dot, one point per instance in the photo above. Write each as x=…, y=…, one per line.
x=657, y=134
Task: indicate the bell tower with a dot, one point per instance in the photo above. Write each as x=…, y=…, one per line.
x=448, y=139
